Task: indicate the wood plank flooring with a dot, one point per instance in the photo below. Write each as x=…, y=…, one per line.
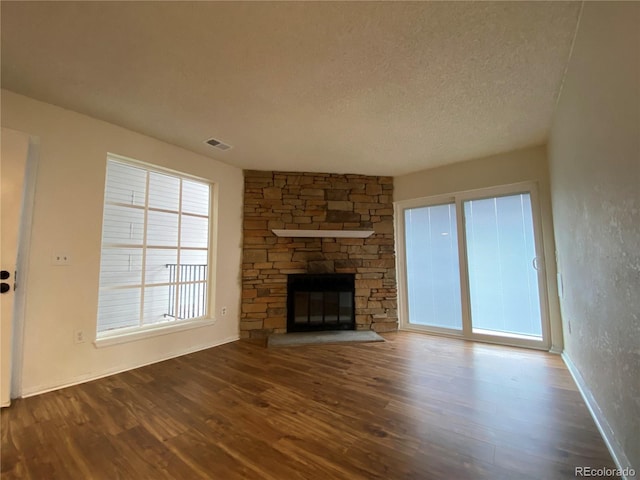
x=413, y=407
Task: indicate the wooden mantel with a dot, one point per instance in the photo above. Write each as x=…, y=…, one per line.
x=323, y=233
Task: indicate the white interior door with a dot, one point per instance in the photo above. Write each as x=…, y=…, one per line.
x=14, y=152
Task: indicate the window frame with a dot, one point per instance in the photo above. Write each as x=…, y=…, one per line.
x=133, y=333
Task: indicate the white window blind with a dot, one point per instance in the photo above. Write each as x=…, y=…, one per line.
x=155, y=248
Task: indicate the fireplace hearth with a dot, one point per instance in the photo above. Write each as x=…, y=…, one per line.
x=319, y=302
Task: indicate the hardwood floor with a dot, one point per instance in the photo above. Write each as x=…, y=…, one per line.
x=413, y=407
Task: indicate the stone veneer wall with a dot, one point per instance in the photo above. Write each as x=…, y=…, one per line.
x=309, y=201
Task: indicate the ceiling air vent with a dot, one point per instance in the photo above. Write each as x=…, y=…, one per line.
x=218, y=144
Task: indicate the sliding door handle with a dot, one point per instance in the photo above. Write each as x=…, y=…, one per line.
x=538, y=263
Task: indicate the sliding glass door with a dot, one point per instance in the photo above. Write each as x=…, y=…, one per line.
x=501, y=266
x=472, y=267
x=433, y=271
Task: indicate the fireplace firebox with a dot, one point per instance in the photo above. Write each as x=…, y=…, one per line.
x=317, y=302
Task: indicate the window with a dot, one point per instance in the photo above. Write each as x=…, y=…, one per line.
x=155, y=249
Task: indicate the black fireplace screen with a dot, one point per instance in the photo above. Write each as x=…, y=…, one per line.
x=320, y=302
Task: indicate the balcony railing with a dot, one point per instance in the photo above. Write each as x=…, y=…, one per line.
x=187, y=292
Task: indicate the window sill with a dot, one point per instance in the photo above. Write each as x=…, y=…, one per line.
x=152, y=331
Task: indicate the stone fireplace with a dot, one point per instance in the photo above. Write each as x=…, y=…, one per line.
x=315, y=201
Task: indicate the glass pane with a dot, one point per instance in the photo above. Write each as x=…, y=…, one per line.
x=122, y=225
x=121, y=266
x=162, y=229
x=194, y=232
x=164, y=191
x=346, y=306
x=161, y=266
x=125, y=184
x=195, y=198
x=331, y=307
x=156, y=305
x=315, y=307
x=503, y=282
x=192, y=298
x=192, y=273
x=433, y=275
x=195, y=257
x=301, y=308
x=118, y=308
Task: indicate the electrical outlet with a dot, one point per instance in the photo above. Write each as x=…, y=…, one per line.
x=61, y=259
x=78, y=336
x=223, y=311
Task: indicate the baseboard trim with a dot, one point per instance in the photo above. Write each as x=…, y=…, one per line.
x=40, y=389
x=616, y=451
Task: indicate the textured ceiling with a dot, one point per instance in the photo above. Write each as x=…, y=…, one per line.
x=374, y=88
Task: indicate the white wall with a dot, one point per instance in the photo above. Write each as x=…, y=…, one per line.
x=594, y=153
x=68, y=218
x=513, y=167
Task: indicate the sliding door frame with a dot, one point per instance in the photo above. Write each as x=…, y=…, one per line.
x=458, y=198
